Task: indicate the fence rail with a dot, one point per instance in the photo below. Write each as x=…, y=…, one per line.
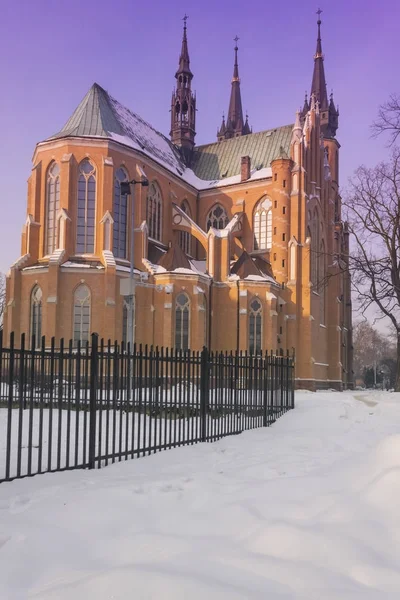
x=86, y=407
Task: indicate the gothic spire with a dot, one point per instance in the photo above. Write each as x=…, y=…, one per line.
x=184, y=60
x=235, y=125
x=318, y=86
x=183, y=104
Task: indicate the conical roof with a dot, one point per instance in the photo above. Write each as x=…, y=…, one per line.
x=99, y=115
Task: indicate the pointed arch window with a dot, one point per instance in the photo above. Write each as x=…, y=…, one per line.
x=81, y=314
x=52, y=207
x=262, y=225
x=315, y=248
x=154, y=212
x=36, y=315
x=184, y=236
x=203, y=317
x=120, y=215
x=182, y=321
x=255, y=327
x=86, y=208
x=217, y=218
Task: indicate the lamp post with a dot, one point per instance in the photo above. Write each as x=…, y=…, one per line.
x=128, y=189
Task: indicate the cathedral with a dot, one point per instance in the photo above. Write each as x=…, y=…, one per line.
x=237, y=245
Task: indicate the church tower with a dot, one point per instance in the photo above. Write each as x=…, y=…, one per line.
x=183, y=103
x=328, y=112
x=234, y=126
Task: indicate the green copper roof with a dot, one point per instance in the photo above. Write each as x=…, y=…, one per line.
x=100, y=115
x=222, y=159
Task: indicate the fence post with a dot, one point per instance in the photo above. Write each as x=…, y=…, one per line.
x=204, y=387
x=266, y=386
x=292, y=372
x=94, y=367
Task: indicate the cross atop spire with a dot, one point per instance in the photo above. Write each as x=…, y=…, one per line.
x=185, y=18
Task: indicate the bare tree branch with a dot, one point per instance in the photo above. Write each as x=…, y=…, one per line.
x=388, y=120
x=373, y=206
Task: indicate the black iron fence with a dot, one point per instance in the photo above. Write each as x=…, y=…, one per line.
x=69, y=408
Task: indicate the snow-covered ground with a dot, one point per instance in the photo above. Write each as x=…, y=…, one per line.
x=306, y=509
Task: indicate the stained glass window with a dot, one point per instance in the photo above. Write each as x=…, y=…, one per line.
x=217, y=218
x=120, y=215
x=255, y=327
x=154, y=212
x=52, y=207
x=182, y=321
x=81, y=314
x=262, y=225
x=86, y=208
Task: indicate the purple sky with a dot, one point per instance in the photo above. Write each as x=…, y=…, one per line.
x=52, y=52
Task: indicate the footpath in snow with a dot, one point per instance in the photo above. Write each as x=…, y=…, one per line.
x=306, y=509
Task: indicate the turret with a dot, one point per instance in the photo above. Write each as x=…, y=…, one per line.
x=183, y=103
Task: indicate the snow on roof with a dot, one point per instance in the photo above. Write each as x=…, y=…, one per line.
x=77, y=265
x=260, y=278
x=99, y=115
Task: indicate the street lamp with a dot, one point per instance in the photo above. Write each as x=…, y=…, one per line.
x=128, y=189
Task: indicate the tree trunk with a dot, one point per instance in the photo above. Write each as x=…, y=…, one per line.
x=397, y=381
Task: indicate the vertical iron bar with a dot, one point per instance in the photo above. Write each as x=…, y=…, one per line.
x=94, y=366
x=59, y=401
x=31, y=392
x=21, y=402
x=10, y=404
x=41, y=400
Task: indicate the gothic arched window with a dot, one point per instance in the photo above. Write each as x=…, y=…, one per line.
x=154, y=212
x=315, y=248
x=203, y=321
x=255, y=327
x=262, y=225
x=36, y=315
x=81, y=314
x=86, y=208
x=184, y=236
x=182, y=321
x=120, y=214
x=217, y=218
x=52, y=207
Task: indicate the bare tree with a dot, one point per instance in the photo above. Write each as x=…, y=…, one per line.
x=388, y=120
x=373, y=207
x=371, y=348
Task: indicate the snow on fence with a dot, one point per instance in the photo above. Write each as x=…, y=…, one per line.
x=70, y=408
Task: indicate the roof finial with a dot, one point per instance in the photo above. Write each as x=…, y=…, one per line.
x=185, y=18
x=236, y=67
x=319, y=46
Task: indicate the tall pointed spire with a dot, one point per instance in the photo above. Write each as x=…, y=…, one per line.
x=318, y=95
x=184, y=60
x=183, y=103
x=235, y=125
x=318, y=86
